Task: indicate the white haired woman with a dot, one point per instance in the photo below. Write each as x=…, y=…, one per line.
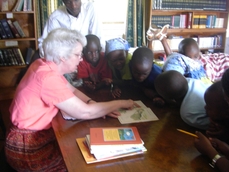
x=43, y=91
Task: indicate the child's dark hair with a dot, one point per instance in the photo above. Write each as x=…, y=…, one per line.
x=142, y=53
x=184, y=44
x=225, y=82
x=93, y=37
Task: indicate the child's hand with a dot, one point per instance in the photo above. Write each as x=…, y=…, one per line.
x=107, y=81
x=158, y=101
x=116, y=92
x=203, y=145
x=89, y=85
x=220, y=146
x=216, y=130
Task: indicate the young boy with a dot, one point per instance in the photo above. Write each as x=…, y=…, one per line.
x=116, y=51
x=186, y=61
x=216, y=143
x=188, y=93
x=94, y=69
x=144, y=72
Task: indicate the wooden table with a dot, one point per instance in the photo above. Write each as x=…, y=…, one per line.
x=167, y=149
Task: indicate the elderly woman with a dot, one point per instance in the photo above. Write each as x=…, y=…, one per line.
x=43, y=91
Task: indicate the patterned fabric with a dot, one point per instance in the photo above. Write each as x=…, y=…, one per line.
x=28, y=150
x=116, y=44
x=186, y=66
x=215, y=65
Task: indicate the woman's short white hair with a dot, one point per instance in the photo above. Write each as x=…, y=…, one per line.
x=60, y=43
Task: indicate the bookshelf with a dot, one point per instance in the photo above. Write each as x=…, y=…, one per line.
x=27, y=20
x=186, y=7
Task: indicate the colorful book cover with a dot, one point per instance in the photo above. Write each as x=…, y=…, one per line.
x=114, y=136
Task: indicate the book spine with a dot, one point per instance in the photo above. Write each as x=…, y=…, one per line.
x=29, y=5
x=17, y=55
x=6, y=57
x=7, y=28
x=21, y=57
x=5, y=5
x=25, y=7
x=11, y=57
x=13, y=29
x=19, y=29
x=3, y=62
x=2, y=32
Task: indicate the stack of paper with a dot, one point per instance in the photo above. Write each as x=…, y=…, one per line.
x=110, y=143
x=140, y=113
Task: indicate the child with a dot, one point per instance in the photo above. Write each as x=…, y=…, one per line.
x=217, y=135
x=218, y=111
x=186, y=60
x=188, y=93
x=94, y=69
x=116, y=52
x=213, y=147
x=144, y=73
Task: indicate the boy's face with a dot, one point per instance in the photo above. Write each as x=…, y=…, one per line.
x=193, y=51
x=216, y=108
x=73, y=6
x=117, y=59
x=141, y=71
x=92, y=53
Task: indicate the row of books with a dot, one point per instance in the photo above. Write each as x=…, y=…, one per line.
x=203, y=42
x=190, y=4
x=110, y=143
x=10, y=29
x=185, y=20
x=20, y=5
x=207, y=21
x=11, y=56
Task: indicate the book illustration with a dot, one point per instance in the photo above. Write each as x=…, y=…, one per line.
x=137, y=114
x=118, y=134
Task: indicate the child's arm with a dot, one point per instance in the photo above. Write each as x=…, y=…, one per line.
x=152, y=94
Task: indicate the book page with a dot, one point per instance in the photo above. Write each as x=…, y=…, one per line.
x=137, y=114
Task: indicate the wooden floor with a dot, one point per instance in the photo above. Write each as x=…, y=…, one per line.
x=4, y=109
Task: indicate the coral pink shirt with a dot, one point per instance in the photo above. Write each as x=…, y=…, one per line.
x=33, y=106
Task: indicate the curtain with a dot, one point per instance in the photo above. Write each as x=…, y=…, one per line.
x=135, y=30
x=44, y=8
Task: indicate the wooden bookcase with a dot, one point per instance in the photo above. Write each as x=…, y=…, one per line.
x=190, y=32
x=27, y=20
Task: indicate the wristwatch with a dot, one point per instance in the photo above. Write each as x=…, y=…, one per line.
x=214, y=160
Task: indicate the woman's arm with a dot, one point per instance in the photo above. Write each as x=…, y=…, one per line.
x=78, y=109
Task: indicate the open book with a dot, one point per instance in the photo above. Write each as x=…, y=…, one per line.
x=140, y=113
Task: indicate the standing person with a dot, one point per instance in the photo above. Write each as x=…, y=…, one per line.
x=73, y=15
x=43, y=91
x=94, y=69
